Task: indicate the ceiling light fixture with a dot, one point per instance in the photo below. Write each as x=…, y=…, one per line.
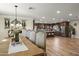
x=43, y=17
x=15, y=22
x=70, y=14
x=16, y=27
x=31, y=8
x=53, y=18
x=58, y=12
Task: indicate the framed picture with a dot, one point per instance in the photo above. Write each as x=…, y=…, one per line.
x=23, y=23
x=7, y=23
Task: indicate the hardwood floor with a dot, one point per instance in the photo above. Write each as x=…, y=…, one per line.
x=55, y=46
x=61, y=46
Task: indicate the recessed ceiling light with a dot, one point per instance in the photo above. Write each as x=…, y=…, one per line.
x=58, y=12
x=53, y=18
x=43, y=17
x=70, y=14
x=31, y=8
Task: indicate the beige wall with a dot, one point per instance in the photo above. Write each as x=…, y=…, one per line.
x=29, y=24
x=76, y=27
x=4, y=32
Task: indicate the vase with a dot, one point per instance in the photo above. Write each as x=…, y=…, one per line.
x=16, y=37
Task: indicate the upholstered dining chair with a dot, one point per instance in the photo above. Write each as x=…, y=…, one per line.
x=29, y=34
x=41, y=40
x=24, y=32
x=32, y=35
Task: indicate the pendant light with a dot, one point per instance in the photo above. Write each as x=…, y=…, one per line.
x=15, y=23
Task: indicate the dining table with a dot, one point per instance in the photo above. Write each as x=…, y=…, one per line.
x=32, y=49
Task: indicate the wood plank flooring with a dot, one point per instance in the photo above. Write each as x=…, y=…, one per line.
x=55, y=46
x=61, y=46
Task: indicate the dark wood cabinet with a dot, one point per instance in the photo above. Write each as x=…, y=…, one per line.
x=45, y=26
x=52, y=29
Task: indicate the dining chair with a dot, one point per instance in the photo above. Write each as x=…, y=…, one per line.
x=23, y=32
x=32, y=35
x=41, y=40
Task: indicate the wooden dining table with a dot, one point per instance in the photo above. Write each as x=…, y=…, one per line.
x=33, y=50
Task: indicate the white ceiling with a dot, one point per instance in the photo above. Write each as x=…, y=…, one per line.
x=47, y=10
